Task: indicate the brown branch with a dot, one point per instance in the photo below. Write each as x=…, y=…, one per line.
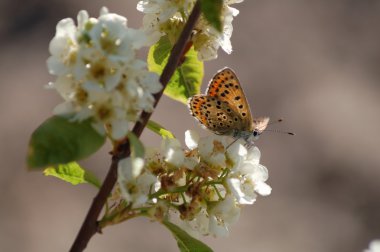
x=90, y=224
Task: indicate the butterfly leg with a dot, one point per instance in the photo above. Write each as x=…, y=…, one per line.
x=236, y=136
x=249, y=144
x=249, y=139
x=232, y=143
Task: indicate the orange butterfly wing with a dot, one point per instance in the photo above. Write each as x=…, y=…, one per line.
x=214, y=114
x=226, y=87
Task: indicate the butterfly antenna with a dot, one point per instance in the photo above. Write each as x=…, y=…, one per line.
x=282, y=132
x=277, y=121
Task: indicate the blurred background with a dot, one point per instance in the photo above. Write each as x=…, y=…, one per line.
x=314, y=63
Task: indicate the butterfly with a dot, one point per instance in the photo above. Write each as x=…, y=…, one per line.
x=224, y=108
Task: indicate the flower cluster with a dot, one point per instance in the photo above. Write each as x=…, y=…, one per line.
x=202, y=188
x=166, y=17
x=98, y=74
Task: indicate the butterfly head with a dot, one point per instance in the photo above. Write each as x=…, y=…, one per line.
x=255, y=134
x=259, y=125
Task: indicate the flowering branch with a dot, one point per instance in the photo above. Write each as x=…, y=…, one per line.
x=90, y=225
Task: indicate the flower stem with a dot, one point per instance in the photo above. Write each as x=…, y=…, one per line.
x=160, y=192
x=122, y=215
x=90, y=225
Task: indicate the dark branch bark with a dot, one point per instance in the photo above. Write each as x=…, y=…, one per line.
x=90, y=224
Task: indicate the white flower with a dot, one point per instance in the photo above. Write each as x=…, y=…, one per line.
x=166, y=17
x=248, y=176
x=374, y=246
x=130, y=169
x=215, y=221
x=97, y=73
x=172, y=151
x=244, y=192
x=135, y=183
x=164, y=9
x=212, y=149
x=207, y=40
x=191, y=139
x=224, y=214
x=199, y=225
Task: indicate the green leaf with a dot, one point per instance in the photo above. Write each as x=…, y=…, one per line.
x=158, y=129
x=187, y=78
x=212, y=11
x=186, y=243
x=137, y=147
x=72, y=173
x=59, y=141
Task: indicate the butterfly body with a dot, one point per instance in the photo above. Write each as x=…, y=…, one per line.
x=225, y=110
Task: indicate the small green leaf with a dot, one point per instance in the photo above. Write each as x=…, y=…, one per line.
x=159, y=54
x=186, y=80
x=158, y=129
x=72, y=173
x=137, y=147
x=186, y=243
x=60, y=141
x=212, y=11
